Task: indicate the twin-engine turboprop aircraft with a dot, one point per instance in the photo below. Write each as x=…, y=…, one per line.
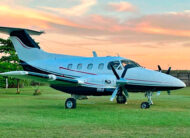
x=84, y=76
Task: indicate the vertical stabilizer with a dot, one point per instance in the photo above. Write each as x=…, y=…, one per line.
x=26, y=48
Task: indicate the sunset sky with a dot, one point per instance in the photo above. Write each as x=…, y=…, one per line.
x=151, y=32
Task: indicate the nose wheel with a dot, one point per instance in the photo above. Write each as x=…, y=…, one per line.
x=145, y=105
x=70, y=103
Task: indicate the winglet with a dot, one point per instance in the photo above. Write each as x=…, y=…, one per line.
x=8, y=30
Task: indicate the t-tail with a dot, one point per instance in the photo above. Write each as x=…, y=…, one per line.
x=27, y=49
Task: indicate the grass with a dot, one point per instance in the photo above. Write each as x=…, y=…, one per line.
x=44, y=115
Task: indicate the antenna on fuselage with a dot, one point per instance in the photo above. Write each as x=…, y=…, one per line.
x=94, y=54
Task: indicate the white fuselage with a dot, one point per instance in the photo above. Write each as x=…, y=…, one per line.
x=97, y=77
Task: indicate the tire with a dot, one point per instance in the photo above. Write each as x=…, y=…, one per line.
x=70, y=103
x=145, y=105
x=121, y=99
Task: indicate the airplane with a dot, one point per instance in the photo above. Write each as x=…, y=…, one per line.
x=86, y=76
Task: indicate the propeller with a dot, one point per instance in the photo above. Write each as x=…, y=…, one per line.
x=167, y=72
x=120, y=82
x=160, y=69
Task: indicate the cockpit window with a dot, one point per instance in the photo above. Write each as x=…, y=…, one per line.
x=129, y=63
x=115, y=64
x=119, y=65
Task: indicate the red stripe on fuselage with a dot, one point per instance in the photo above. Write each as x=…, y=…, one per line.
x=146, y=80
x=92, y=83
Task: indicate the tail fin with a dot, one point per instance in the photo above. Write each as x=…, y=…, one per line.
x=26, y=48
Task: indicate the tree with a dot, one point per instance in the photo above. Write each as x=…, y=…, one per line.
x=9, y=53
x=9, y=60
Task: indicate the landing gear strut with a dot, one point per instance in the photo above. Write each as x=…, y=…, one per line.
x=70, y=103
x=145, y=105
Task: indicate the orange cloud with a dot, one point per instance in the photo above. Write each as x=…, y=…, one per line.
x=77, y=10
x=148, y=28
x=34, y=14
x=122, y=6
x=143, y=39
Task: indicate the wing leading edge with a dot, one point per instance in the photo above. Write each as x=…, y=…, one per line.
x=39, y=77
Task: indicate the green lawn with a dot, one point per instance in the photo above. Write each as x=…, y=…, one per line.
x=29, y=116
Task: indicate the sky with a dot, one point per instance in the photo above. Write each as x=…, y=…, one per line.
x=150, y=32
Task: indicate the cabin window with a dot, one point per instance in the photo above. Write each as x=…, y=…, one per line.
x=70, y=66
x=90, y=66
x=115, y=64
x=101, y=66
x=79, y=66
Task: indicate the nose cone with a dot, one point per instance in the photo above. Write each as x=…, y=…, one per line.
x=173, y=81
x=180, y=83
x=153, y=79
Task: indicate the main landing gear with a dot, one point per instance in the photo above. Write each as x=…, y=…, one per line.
x=145, y=105
x=70, y=103
x=121, y=99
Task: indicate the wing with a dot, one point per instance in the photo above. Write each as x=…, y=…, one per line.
x=39, y=77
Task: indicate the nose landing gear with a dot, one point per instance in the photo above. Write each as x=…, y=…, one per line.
x=145, y=105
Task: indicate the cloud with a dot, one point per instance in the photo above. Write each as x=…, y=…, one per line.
x=167, y=24
x=122, y=6
x=27, y=14
x=165, y=28
x=77, y=10
x=187, y=44
x=147, y=36
x=160, y=28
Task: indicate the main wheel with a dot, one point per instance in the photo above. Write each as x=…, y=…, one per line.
x=145, y=105
x=70, y=103
x=121, y=99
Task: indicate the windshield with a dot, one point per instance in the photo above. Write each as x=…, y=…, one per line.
x=115, y=64
x=129, y=63
x=119, y=65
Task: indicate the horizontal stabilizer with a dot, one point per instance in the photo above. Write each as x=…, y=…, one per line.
x=9, y=30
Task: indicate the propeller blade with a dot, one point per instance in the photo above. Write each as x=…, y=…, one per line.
x=168, y=72
x=114, y=72
x=158, y=93
x=169, y=92
x=124, y=72
x=114, y=93
x=159, y=68
x=125, y=91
